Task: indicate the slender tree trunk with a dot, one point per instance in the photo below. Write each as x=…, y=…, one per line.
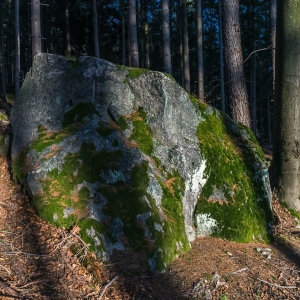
x=222, y=82
x=186, y=64
x=273, y=36
x=236, y=86
x=3, y=76
x=253, y=93
x=269, y=117
x=286, y=160
x=134, y=50
x=68, y=34
x=17, y=50
x=123, y=33
x=166, y=36
x=96, y=35
x=181, y=43
x=200, y=51
x=146, y=33
x=128, y=35
x=36, y=27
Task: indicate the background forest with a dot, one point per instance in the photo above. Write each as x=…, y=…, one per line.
x=69, y=28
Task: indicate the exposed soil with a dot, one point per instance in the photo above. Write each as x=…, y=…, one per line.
x=40, y=261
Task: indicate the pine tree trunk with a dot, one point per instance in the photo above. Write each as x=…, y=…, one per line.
x=273, y=36
x=17, y=50
x=96, y=35
x=68, y=34
x=3, y=77
x=286, y=160
x=222, y=82
x=36, y=27
x=166, y=36
x=134, y=51
x=253, y=93
x=146, y=33
x=200, y=51
x=123, y=33
x=236, y=86
x=186, y=64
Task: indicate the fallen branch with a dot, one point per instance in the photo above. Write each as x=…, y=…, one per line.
x=9, y=290
x=279, y=286
x=239, y=271
x=107, y=285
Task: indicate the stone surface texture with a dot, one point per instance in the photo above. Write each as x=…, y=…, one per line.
x=125, y=155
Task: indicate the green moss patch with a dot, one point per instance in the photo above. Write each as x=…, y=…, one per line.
x=133, y=73
x=242, y=215
x=142, y=133
x=74, y=63
x=170, y=76
x=61, y=203
x=20, y=166
x=173, y=240
x=79, y=114
x=47, y=138
x=122, y=123
x=3, y=117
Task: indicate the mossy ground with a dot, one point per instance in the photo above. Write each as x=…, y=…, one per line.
x=230, y=168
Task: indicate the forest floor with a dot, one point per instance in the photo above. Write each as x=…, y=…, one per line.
x=40, y=261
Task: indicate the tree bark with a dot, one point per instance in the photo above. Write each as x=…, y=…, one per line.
x=236, y=86
x=253, y=93
x=96, y=35
x=200, y=51
x=17, y=49
x=146, y=33
x=68, y=34
x=273, y=36
x=134, y=50
x=3, y=76
x=123, y=33
x=166, y=36
x=36, y=27
x=286, y=161
x=222, y=82
x=186, y=64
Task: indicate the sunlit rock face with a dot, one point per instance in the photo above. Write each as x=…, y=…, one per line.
x=134, y=161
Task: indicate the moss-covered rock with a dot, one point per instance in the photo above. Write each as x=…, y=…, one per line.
x=134, y=161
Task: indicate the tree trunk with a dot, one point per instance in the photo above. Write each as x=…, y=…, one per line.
x=186, y=64
x=146, y=33
x=3, y=77
x=222, y=82
x=36, y=27
x=286, y=161
x=253, y=93
x=96, y=35
x=68, y=34
x=236, y=86
x=134, y=50
x=200, y=51
x=123, y=33
x=273, y=37
x=166, y=36
x=17, y=50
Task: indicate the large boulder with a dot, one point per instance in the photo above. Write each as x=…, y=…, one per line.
x=134, y=161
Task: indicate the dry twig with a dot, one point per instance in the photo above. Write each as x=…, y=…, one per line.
x=107, y=285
